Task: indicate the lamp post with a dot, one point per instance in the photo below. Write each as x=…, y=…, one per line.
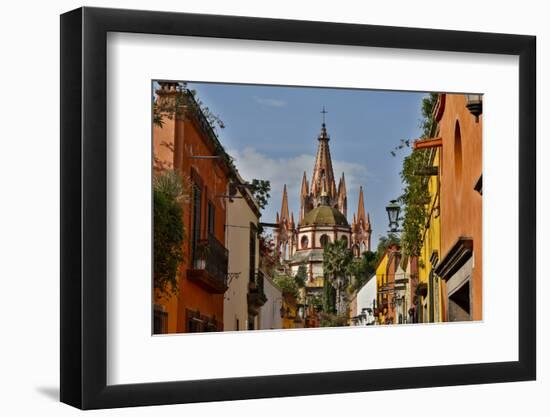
x=303, y=311
x=393, y=215
x=474, y=103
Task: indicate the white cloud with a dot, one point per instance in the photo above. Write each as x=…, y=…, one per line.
x=271, y=102
x=253, y=164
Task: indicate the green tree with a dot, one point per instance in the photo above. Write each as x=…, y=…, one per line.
x=168, y=231
x=316, y=300
x=336, y=260
x=301, y=276
x=268, y=260
x=261, y=191
x=362, y=268
x=384, y=243
x=329, y=297
x=427, y=122
x=287, y=284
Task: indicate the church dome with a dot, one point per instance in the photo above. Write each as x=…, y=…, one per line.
x=324, y=215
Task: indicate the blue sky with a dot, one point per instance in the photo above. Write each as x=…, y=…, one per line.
x=272, y=133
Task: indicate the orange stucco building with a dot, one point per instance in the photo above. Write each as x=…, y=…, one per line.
x=187, y=144
x=460, y=261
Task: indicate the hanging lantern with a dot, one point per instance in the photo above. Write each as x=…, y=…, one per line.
x=393, y=214
x=474, y=103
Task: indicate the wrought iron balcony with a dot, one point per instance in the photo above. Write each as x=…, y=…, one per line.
x=210, y=260
x=256, y=296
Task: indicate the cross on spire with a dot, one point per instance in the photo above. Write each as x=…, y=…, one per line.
x=323, y=112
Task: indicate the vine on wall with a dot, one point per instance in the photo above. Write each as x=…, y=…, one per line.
x=416, y=197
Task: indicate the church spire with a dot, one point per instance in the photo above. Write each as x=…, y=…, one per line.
x=284, y=206
x=343, y=196
x=361, y=209
x=323, y=174
x=303, y=191
x=361, y=228
x=342, y=185
x=304, y=198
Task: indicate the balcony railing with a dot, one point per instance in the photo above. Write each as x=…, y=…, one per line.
x=210, y=259
x=256, y=295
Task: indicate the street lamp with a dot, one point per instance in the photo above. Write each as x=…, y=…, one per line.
x=302, y=311
x=393, y=214
x=474, y=103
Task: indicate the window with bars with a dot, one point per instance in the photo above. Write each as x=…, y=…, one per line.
x=211, y=217
x=197, y=213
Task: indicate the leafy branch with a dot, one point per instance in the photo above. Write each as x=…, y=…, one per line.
x=260, y=190
x=287, y=284
x=169, y=192
x=416, y=196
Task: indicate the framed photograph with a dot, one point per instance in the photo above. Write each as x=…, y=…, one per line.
x=259, y=208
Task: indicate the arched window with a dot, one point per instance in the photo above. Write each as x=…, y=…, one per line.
x=345, y=239
x=304, y=242
x=356, y=250
x=363, y=247
x=325, y=240
x=458, y=154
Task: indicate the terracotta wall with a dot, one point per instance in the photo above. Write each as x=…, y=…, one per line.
x=461, y=205
x=173, y=145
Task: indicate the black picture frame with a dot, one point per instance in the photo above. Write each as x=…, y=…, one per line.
x=84, y=207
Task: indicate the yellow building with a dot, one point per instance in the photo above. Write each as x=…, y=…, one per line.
x=290, y=312
x=393, y=288
x=429, y=291
x=382, y=285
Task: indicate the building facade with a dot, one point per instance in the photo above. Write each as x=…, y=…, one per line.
x=383, y=285
x=243, y=297
x=430, y=299
x=460, y=266
x=364, y=304
x=450, y=279
x=290, y=316
x=186, y=143
x=271, y=311
x=392, y=284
